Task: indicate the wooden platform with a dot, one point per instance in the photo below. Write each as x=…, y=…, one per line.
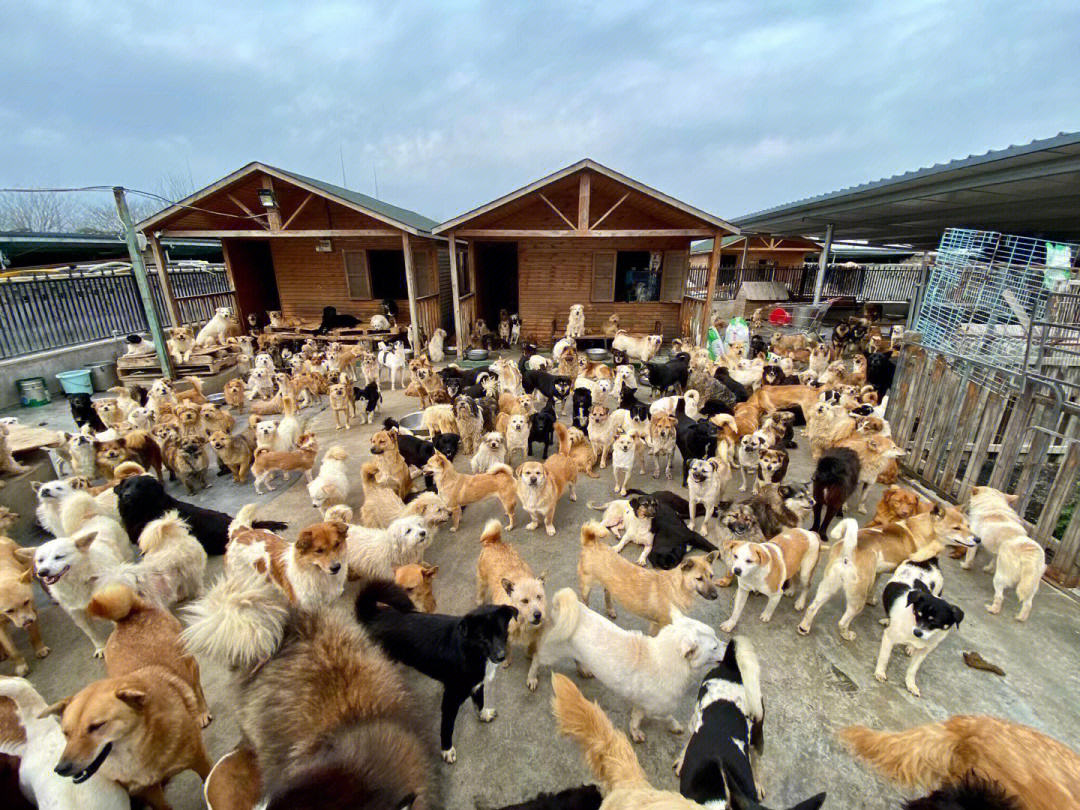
x=202, y=363
x=347, y=336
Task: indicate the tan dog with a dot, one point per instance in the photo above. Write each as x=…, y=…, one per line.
x=392, y=467
x=602, y=431
x=267, y=462
x=416, y=579
x=235, y=452
x=783, y=565
x=516, y=431
x=661, y=442
x=17, y=605
x=645, y=592
x=540, y=486
x=897, y=504
x=234, y=394
x=458, y=489
x=180, y=343
x=140, y=725
x=875, y=453
x=382, y=506
x=504, y=578
x=854, y=563
x=215, y=418
x=640, y=347
x=582, y=453
x=342, y=405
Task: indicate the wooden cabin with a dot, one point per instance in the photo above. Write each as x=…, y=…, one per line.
x=583, y=235
x=296, y=244
x=757, y=250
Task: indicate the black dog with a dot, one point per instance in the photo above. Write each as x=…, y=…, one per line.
x=371, y=395
x=82, y=411
x=458, y=651
x=672, y=539
x=542, y=427
x=676, y=502
x=582, y=402
x=774, y=375
x=694, y=439
x=662, y=377
x=332, y=320
x=970, y=793
x=734, y=386
x=758, y=346
x=586, y=797
x=417, y=451
x=464, y=376
x=880, y=370
x=639, y=411
x=552, y=386
x=729, y=721
x=141, y=499
x=835, y=479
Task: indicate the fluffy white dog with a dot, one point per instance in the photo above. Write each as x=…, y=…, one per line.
x=375, y=553
x=173, y=562
x=331, y=485
x=575, y=324
x=216, y=329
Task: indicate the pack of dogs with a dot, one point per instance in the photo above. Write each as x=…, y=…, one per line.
x=325, y=712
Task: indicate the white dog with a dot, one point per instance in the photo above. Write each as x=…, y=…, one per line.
x=216, y=329
x=517, y=437
x=51, y=497
x=623, y=455
x=39, y=746
x=668, y=404
x=652, y=672
x=394, y=360
x=172, y=565
x=640, y=347
x=436, y=346
x=575, y=324
x=515, y=330
x=331, y=485
x=380, y=323
x=375, y=553
x=748, y=455
x=492, y=450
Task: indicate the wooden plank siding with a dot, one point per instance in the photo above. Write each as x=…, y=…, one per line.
x=554, y=274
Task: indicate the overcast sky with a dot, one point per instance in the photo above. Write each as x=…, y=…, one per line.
x=731, y=105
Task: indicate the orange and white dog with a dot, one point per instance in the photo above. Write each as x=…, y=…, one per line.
x=775, y=568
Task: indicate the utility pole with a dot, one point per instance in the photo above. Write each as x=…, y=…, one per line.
x=143, y=283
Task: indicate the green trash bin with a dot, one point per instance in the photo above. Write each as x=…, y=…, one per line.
x=33, y=392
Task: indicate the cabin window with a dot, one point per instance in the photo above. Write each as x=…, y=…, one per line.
x=638, y=274
x=356, y=274
x=387, y=268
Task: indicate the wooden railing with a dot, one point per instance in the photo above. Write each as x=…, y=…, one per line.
x=690, y=314
x=428, y=315
x=468, y=315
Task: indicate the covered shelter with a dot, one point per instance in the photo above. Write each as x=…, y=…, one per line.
x=1031, y=189
x=583, y=235
x=756, y=250
x=296, y=244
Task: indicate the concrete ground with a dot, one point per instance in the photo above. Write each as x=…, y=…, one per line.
x=810, y=684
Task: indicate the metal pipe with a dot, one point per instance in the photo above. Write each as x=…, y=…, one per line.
x=823, y=263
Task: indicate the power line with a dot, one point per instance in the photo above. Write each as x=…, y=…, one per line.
x=256, y=217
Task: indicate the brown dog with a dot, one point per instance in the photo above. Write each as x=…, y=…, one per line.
x=540, y=486
x=416, y=580
x=382, y=506
x=17, y=605
x=235, y=452
x=138, y=445
x=234, y=394
x=854, y=563
x=785, y=562
x=504, y=578
x=384, y=446
x=644, y=592
x=459, y=490
x=897, y=504
x=267, y=462
x=140, y=725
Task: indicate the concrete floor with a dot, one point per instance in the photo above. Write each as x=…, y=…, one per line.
x=810, y=684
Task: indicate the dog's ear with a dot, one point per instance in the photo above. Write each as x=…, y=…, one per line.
x=686, y=565
x=688, y=648
x=27, y=576
x=340, y=526
x=938, y=511
x=508, y=586
x=543, y=575
x=133, y=697
x=711, y=557
x=56, y=709
x=83, y=541
x=304, y=540
x=429, y=571
x=36, y=486
x=958, y=614
x=913, y=596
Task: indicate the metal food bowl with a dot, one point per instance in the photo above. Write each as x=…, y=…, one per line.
x=597, y=355
x=476, y=354
x=412, y=422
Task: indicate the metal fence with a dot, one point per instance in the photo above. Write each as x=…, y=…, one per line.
x=51, y=311
x=868, y=282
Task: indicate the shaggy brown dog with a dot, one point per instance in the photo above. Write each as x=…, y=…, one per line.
x=235, y=452
x=582, y=453
x=138, y=446
x=898, y=503
x=1036, y=770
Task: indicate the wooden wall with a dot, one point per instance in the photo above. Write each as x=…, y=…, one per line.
x=308, y=281
x=554, y=274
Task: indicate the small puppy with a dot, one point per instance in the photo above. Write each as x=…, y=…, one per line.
x=491, y=451
x=916, y=616
x=644, y=592
x=331, y=485
x=504, y=578
x=783, y=565
x=267, y=462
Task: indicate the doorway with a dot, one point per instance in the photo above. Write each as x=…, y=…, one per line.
x=496, y=280
x=251, y=265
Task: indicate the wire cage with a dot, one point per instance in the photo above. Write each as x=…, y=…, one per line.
x=1010, y=305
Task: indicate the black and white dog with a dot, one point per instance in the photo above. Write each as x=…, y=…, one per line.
x=461, y=652
x=714, y=768
x=552, y=386
x=916, y=616
x=372, y=397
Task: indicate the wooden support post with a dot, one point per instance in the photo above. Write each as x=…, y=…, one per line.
x=584, y=192
x=823, y=263
x=745, y=251
x=273, y=214
x=410, y=283
x=163, y=278
x=455, y=287
x=714, y=267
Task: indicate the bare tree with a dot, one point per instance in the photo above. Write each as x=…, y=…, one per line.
x=41, y=211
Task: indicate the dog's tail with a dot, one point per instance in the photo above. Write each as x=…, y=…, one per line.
x=492, y=533
x=77, y=508
x=725, y=420
x=27, y=701
x=337, y=453
x=128, y=469
x=591, y=534
x=563, y=435
x=847, y=532
x=138, y=440
x=501, y=469
x=750, y=670
x=115, y=602
x=160, y=533
x=924, y=755
x=567, y=611
x=607, y=751
x=389, y=423
x=376, y=591
x=196, y=383
x=599, y=507
x=245, y=518
x=240, y=621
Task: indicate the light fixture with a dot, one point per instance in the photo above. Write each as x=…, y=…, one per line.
x=266, y=197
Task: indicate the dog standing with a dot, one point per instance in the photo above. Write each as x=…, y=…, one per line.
x=17, y=605
x=780, y=566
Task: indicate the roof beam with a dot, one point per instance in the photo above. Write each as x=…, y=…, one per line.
x=562, y=216
x=326, y=233
x=618, y=202
x=694, y=233
x=273, y=214
x=299, y=208
x=246, y=210
x=584, y=192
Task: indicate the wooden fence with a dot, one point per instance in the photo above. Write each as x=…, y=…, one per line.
x=962, y=429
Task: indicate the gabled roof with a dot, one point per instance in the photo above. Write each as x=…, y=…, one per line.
x=391, y=214
x=599, y=169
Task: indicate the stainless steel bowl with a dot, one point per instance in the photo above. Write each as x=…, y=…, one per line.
x=476, y=354
x=412, y=421
x=597, y=355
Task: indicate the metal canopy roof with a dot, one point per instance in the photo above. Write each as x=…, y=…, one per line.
x=1032, y=189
